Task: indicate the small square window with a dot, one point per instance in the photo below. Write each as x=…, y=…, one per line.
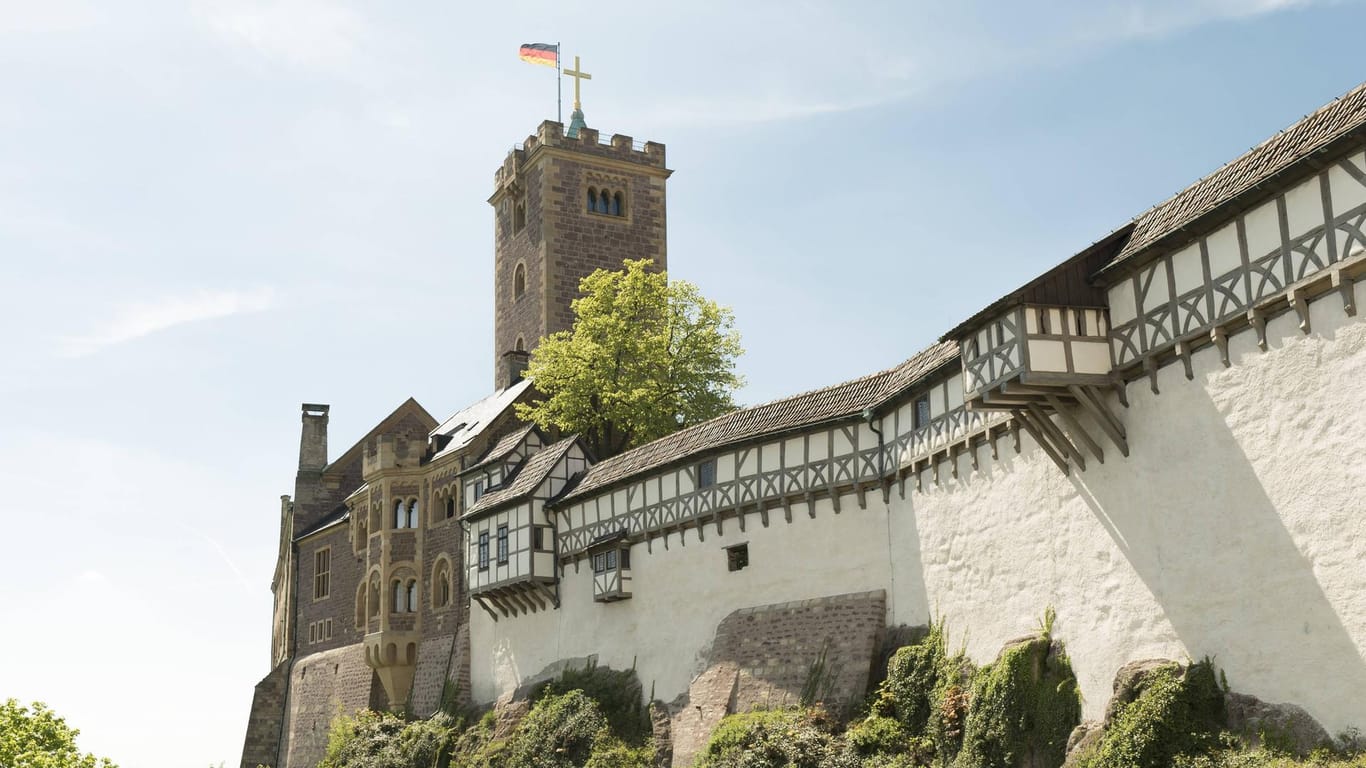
x=737, y=557
x=706, y=474
x=922, y=411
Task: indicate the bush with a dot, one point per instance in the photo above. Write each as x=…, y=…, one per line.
x=912, y=675
x=1175, y=715
x=1022, y=708
x=559, y=732
x=878, y=735
x=364, y=740
x=790, y=738
x=618, y=695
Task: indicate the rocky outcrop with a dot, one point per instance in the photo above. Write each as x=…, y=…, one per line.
x=1281, y=726
x=1132, y=680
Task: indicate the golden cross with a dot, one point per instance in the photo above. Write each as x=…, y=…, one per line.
x=578, y=75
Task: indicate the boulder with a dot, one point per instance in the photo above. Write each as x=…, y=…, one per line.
x=1131, y=680
x=1280, y=726
x=1084, y=738
x=509, y=713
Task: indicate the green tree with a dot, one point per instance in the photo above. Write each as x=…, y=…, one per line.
x=646, y=356
x=38, y=738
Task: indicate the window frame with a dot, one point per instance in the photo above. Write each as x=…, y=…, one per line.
x=322, y=573
x=503, y=544
x=706, y=473
x=737, y=557
x=483, y=551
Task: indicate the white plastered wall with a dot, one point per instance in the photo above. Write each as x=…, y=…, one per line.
x=1233, y=530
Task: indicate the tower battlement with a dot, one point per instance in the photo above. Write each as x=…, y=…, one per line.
x=551, y=134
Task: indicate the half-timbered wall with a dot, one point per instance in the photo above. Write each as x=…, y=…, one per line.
x=1257, y=257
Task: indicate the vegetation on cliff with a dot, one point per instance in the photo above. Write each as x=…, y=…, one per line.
x=35, y=737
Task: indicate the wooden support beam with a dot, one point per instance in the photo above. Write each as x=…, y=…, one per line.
x=1347, y=290
x=1183, y=351
x=1015, y=431
x=1077, y=429
x=1257, y=319
x=1092, y=403
x=787, y=508
x=763, y=513
x=1023, y=419
x=1297, y=302
x=1055, y=433
x=1121, y=389
x=834, y=497
x=811, y=504
x=919, y=478
x=1150, y=366
x=740, y=517
x=862, y=499
x=1220, y=338
x=480, y=599
x=972, y=451
x=719, y=515
x=886, y=491
x=953, y=460
x=697, y=525
x=534, y=597
x=552, y=597
x=992, y=437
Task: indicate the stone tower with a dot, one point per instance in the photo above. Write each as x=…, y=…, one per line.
x=564, y=207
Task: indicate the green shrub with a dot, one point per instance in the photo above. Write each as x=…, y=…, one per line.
x=559, y=732
x=878, y=735
x=1264, y=759
x=779, y=738
x=364, y=740
x=1175, y=715
x=1022, y=708
x=617, y=693
x=912, y=675
x=611, y=752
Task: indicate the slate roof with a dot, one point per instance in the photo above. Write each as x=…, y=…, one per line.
x=817, y=406
x=527, y=479
x=339, y=515
x=505, y=445
x=1281, y=153
x=466, y=424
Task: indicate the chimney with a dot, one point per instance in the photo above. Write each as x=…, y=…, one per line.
x=515, y=363
x=313, y=443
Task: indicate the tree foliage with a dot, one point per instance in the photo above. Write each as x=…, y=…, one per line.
x=38, y=738
x=645, y=356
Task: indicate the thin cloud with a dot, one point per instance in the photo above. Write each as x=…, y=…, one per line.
x=138, y=320
x=311, y=34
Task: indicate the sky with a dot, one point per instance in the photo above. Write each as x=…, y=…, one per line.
x=211, y=212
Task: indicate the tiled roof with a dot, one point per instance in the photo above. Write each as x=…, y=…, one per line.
x=814, y=407
x=466, y=424
x=1277, y=154
x=505, y=445
x=528, y=478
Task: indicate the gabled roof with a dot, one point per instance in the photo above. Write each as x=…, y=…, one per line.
x=500, y=450
x=526, y=479
x=468, y=423
x=840, y=401
x=339, y=515
x=409, y=406
x=1320, y=131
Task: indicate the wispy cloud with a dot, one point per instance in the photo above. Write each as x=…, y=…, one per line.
x=135, y=321
x=312, y=34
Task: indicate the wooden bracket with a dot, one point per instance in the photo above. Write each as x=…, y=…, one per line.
x=1183, y=350
x=701, y=530
x=479, y=599
x=1054, y=432
x=1346, y=289
x=1257, y=319
x=740, y=518
x=763, y=513
x=1076, y=427
x=811, y=504
x=919, y=478
x=886, y=491
x=719, y=518
x=1150, y=366
x=1121, y=389
x=972, y=453
x=1220, y=339
x=1296, y=298
x=862, y=499
x=787, y=509
x=992, y=437
x=1109, y=424
x=1015, y=431
x=1043, y=443
x=953, y=460
x=834, y=497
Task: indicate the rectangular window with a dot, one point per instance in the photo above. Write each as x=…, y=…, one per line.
x=327, y=630
x=737, y=557
x=313, y=632
x=922, y=411
x=706, y=473
x=322, y=573
x=542, y=540
x=502, y=545
x=450, y=507
x=484, y=551
x=478, y=489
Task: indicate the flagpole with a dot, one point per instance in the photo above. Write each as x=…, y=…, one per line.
x=559, y=108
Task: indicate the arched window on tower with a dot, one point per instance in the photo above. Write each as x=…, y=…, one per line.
x=519, y=281
x=592, y=199
x=604, y=202
x=400, y=597
x=360, y=606
x=441, y=584
x=518, y=216
x=400, y=515
x=521, y=344
x=413, y=515
x=616, y=204
x=374, y=596
x=411, y=605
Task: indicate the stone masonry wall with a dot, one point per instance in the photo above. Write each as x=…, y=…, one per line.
x=764, y=656
x=262, y=745
x=320, y=687
x=433, y=662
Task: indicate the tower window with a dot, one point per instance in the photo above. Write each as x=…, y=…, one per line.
x=400, y=517
x=450, y=507
x=413, y=516
x=521, y=345
x=616, y=204
x=603, y=201
x=592, y=200
x=519, y=215
x=411, y=605
x=519, y=281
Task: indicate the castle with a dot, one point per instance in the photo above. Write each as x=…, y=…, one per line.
x=1160, y=437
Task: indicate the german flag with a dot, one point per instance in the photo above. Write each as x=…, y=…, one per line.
x=540, y=53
